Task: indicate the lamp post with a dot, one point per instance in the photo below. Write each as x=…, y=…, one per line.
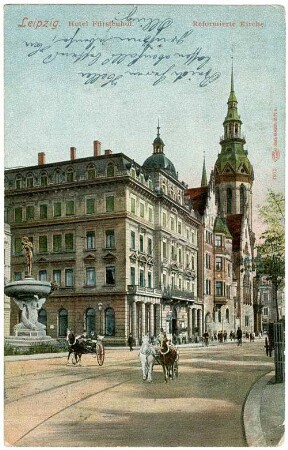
x=100, y=307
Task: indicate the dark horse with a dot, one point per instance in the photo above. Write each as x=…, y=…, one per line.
x=75, y=348
x=168, y=358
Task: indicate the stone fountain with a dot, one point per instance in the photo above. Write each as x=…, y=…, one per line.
x=30, y=295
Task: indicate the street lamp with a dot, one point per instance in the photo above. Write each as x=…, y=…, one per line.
x=100, y=307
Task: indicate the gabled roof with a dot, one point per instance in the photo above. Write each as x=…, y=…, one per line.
x=234, y=223
x=220, y=226
x=198, y=197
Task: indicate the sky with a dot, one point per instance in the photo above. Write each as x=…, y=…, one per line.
x=74, y=75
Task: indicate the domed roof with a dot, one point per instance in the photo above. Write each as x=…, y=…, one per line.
x=160, y=161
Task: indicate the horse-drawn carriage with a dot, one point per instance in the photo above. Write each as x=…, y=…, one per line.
x=79, y=346
x=164, y=354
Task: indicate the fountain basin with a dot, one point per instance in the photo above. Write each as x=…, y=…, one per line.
x=28, y=288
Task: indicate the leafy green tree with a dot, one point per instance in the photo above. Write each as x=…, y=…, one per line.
x=272, y=243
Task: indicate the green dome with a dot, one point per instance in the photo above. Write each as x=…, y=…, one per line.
x=160, y=161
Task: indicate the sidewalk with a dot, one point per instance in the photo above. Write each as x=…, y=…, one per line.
x=264, y=413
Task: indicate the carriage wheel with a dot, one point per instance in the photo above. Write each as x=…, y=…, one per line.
x=100, y=353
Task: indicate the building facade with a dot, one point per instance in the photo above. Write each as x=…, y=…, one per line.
x=117, y=238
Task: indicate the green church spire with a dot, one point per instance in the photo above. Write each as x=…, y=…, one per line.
x=204, y=175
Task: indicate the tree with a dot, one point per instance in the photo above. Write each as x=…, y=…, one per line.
x=272, y=243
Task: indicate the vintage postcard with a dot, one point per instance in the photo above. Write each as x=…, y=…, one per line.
x=144, y=224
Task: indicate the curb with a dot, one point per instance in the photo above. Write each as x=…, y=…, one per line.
x=254, y=434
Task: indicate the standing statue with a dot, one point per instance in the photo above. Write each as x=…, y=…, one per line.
x=27, y=248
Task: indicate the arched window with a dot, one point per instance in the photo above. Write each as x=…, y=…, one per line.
x=18, y=181
x=217, y=196
x=42, y=317
x=29, y=180
x=110, y=170
x=242, y=198
x=43, y=179
x=229, y=200
x=69, y=175
x=91, y=172
x=57, y=176
x=90, y=320
x=227, y=315
x=109, y=322
x=62, y=322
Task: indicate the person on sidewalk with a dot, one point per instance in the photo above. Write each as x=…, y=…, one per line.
x=239, y=336
x=130, y=341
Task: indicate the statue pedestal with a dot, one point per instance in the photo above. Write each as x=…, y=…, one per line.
x=25, y=332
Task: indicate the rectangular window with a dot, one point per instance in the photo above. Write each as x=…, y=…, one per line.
x=57, y=277
x=164, y=249
x=172, y=224
x=17, y=276
x=179, y=227
x=133, y=205
x=141, y=278
x=30, y=212
x=18, y=245
x=110, y=203
x=57, y=242
x=43, y=275
x=164, y=280
x=90, y=276
x=110, y=239
x=208, y=261
x=69, y=241
x=90, y=205
x=132, y=276
x=218, y=240
x=218, y=263
x=132, y=240
x=266, y=311
x=149, y=280
x=18, y=215
x=149, y=246
x=150, y=214
x=141, y=243
x=164, y=219
x=173, y=253
x=43, y=244
x=193, y=262
x=29, y=182
x=219, y=288
x=110, y=275
x=180, y=255
x=69, y=277
x=43, y=211
x=142, y=209
x=57, y=209
x=90, y=240
x=70, y=208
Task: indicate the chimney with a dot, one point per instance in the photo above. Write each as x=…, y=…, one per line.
x=108, y=152
x=97, y=148
x=72, y=153
x=41, y=159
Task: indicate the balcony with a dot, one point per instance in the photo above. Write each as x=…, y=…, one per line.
x=143, y=290
x=177, y=294
x=221, y=300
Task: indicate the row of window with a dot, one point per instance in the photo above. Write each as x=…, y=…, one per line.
x=229, y=199
x=59, y=208
x=90, y=323
x=177, y=255
x=59, y=176
x=221, y=289
x=176, y=226
x=148, y=248
x=219, y=315
x=219, y=263
x=65, y=278
x=142, y=209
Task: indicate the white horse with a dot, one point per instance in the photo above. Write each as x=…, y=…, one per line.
x=147, y=358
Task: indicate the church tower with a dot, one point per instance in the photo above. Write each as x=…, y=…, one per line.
x=233, y=171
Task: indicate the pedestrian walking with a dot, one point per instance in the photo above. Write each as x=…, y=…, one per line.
x=130, y=341
x=239, y=336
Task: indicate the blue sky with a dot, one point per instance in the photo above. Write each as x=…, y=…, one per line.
x=48, y=106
